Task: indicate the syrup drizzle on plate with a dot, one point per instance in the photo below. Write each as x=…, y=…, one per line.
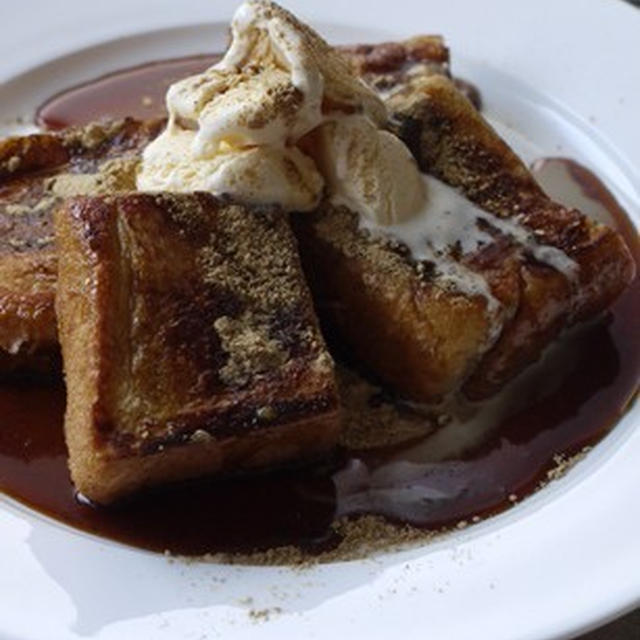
x=472, y=467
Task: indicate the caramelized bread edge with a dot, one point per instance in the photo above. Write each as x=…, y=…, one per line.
x=452, y=141
x=91, y=282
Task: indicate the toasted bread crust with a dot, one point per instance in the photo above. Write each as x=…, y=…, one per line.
x=161, y=300
x=409, y=329
x=387, y=65
x=29, y=167
x=399, y=338
x=452, y=141
x=29, y=164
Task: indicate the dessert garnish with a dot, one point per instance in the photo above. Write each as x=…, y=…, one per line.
x=281, y=119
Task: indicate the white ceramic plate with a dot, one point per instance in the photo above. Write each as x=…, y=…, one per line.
x=561, y=77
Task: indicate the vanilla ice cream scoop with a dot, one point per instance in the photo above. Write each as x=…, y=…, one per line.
x=237, y=128
x=369, y=170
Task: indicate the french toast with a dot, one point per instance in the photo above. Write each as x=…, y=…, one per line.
x=454, y=143
x=444, y=336
x=397, y=67
x=34, y=178
x=189, y=340
x=388, y=66
x=36, y=173
x=413, y=329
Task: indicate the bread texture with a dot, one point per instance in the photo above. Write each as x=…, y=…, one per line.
x=36, y=173
x=413, y=330
x=189, y=341
x=402, y=320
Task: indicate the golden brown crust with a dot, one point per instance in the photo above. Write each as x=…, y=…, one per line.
x=408, y=328
x=36, y=172
x=452, y=141
x=374, y=61
x=30, y=190
x=186, y=325
x=389, y=67
x=398, y=339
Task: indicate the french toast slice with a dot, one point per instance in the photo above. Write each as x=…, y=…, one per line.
x=189, y=341
x=388, y=66
x=452, y=141
x=36, y=173
x=399, y=67
x=415, y=331
x=411, y=330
